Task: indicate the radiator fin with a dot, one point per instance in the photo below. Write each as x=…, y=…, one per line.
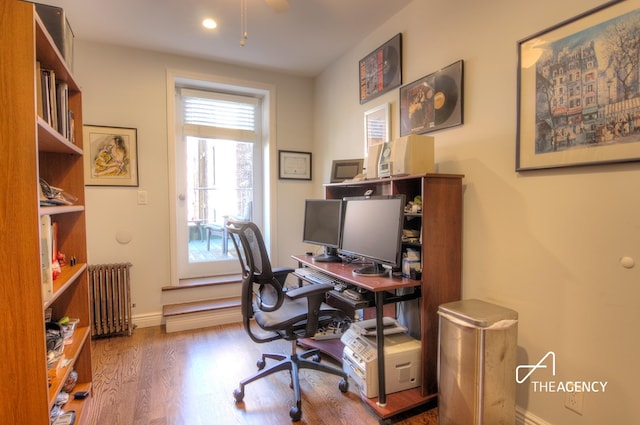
x=110, y=289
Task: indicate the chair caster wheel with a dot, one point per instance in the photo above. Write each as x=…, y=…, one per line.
x=238, y=395
x=295, y=413
x=261, y=364
x=316, y=358
x=343, y=385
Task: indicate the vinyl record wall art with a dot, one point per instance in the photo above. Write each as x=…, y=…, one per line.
x=433, y=102
x=381, y=70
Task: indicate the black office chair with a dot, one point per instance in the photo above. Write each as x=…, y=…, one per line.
x=280, y=313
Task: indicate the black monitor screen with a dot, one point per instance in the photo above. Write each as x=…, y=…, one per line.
x=373, y=229
x=323, y=226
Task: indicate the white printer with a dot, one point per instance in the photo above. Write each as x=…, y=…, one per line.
x=401, y=357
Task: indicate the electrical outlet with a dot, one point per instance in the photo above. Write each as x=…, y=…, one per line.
x=573, y=401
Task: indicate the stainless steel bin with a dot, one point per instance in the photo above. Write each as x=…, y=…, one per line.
x=476, y=363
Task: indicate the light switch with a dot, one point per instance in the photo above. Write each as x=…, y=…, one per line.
x=142, y=197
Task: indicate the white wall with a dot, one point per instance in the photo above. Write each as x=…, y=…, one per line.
x=544, y=243
x=124, y=87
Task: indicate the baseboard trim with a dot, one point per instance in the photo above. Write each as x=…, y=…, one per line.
x=202, y=319
x=524, y=417
x=147, y=320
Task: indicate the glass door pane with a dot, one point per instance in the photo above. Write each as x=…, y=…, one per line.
x=218, y=184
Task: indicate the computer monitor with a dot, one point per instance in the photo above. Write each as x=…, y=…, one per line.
x=372, y=229
x=323, y=226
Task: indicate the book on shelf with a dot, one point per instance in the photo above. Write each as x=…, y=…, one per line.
x=45, y=257
x=39, y=89
x=53, y=103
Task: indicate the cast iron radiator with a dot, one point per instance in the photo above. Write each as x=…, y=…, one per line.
x=110, y=290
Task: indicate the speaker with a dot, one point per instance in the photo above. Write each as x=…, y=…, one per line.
x=412, y=154
x=373, y=156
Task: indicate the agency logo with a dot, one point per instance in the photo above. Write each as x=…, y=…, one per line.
x=548, y=361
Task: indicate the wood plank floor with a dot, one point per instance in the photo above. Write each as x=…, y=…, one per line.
x=155, y=378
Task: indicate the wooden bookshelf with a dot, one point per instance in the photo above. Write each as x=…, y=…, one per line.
x=34, y=149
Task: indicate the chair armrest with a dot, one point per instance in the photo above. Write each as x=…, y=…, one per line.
x=315, y=295
x=309, y=290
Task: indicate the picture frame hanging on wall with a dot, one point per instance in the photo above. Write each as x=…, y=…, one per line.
x=377, y=128
x=294, y=165
x=110, y=156
x=433, y=102
x=381, y=70
x=578, y=97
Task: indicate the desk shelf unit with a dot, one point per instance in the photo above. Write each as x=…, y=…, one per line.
x=441, y=254
x=33, y=149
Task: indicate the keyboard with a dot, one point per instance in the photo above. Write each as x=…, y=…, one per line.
x=314, y=276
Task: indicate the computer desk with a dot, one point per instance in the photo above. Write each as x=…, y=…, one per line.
x=380, y=286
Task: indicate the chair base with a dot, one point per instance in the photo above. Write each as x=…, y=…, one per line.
x=293, y=363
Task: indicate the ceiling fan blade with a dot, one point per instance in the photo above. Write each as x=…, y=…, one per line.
x=278, y=5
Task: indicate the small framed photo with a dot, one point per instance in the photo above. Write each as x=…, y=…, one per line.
x=294, y=165
x=377, y=129
x=345, y=169
x=110, y=156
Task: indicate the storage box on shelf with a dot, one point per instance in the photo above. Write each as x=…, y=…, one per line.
x=34, y=149
x=440, y=248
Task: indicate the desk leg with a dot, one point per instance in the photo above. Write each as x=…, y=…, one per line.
x=382, y=391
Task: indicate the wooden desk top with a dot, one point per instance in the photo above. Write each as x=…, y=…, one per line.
x=344, y=271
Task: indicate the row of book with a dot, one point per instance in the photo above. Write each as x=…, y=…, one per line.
x=53, y=103
x=49, y=255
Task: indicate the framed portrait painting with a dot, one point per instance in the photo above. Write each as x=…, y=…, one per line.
x=578, y=90
x=110, y=156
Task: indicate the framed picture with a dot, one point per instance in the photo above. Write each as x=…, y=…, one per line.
x=294, y=165
x=377, y=128
x=110, y=156
x=433, y=102
x=345, y=169
x=381, y=70
x=578, y=96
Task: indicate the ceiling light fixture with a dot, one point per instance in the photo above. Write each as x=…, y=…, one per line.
x=243, y=22
x=209, y=23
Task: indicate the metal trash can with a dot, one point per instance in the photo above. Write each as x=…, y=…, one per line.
x=476, y=363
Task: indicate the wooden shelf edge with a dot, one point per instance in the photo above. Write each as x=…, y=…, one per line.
x=399, y=402
x=71, y=353
x=49, y=140
x=61, y=209
x=81, y=407
x=67, y=277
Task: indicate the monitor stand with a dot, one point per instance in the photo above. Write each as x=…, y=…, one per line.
x=330, y=255
x=372, y=270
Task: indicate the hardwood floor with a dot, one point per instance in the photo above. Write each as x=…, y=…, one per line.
x=155, y=378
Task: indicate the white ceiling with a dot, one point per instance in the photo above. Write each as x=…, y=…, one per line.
x=302, y=40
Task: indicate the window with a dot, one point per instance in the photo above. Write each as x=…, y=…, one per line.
x=218, y=169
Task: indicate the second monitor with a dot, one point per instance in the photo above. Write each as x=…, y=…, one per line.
x=323, y=226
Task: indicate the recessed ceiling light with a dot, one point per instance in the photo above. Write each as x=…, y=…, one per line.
x=209, y=23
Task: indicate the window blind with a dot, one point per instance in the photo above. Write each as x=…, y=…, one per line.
x=219, y=115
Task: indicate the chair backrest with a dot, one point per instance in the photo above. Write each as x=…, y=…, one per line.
x=258, y=280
